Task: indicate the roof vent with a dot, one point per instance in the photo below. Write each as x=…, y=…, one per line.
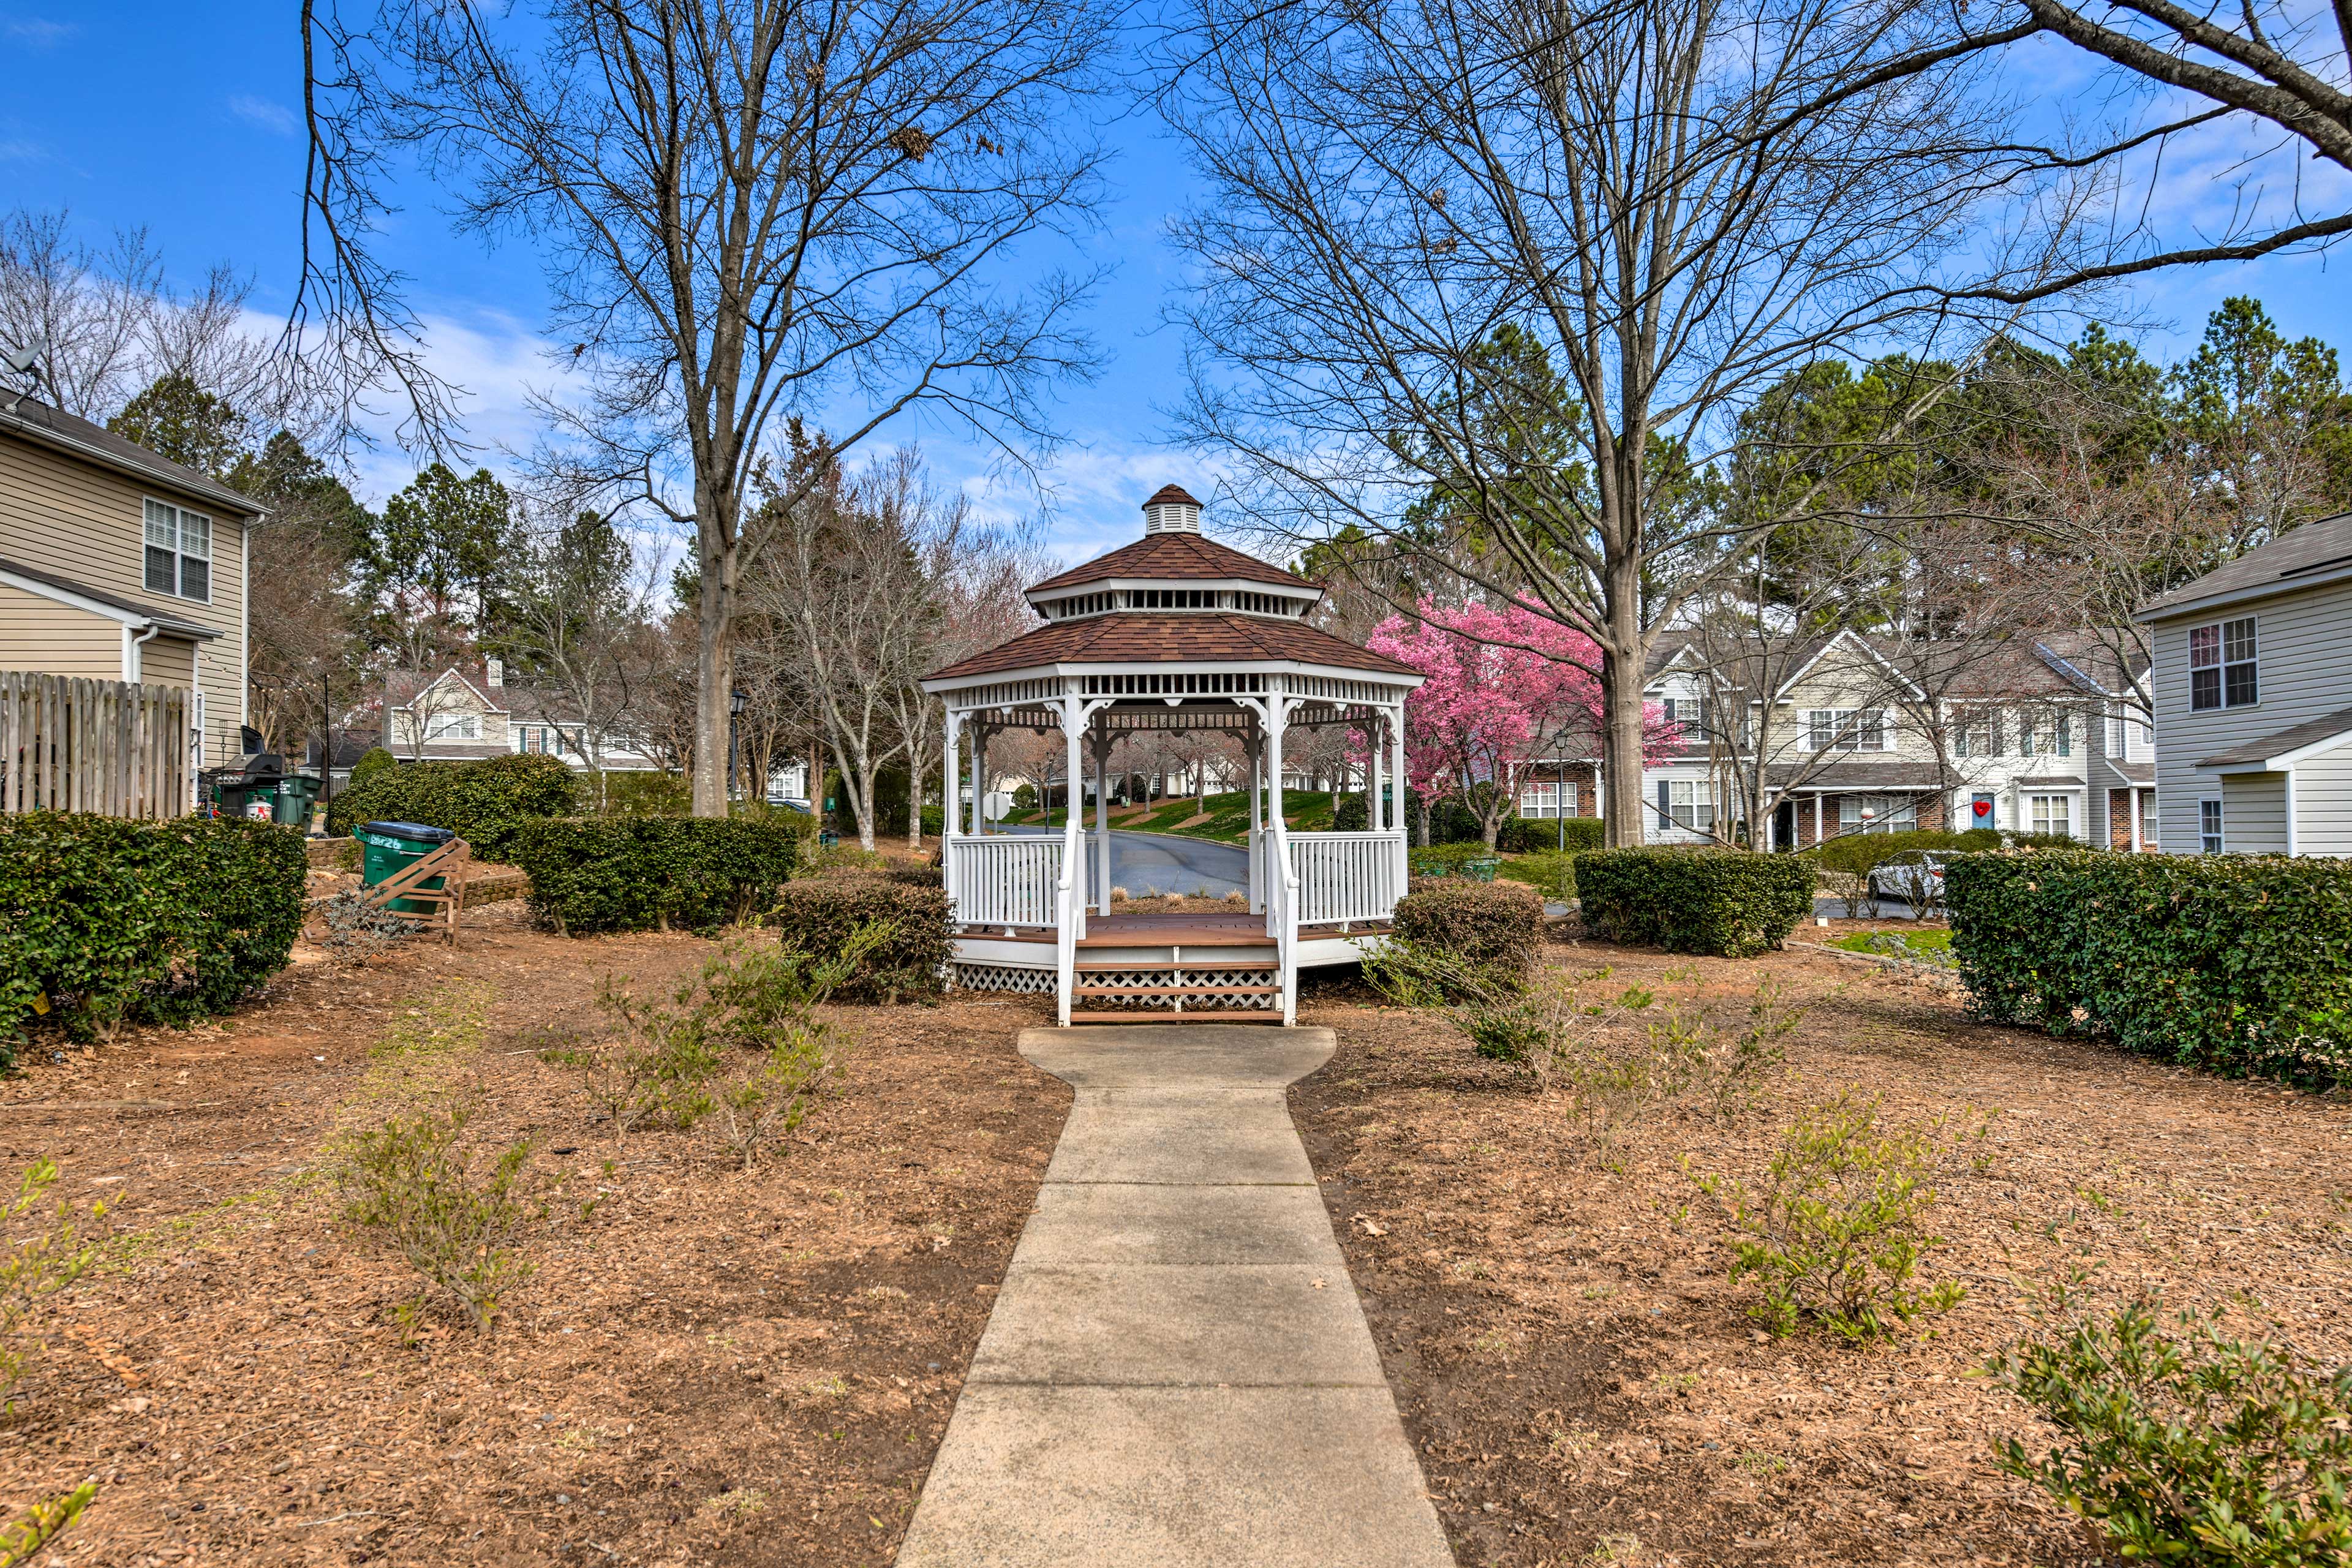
x=1172, y=511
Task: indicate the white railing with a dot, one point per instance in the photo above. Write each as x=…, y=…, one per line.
x=1005, y=879
x=1345, y=878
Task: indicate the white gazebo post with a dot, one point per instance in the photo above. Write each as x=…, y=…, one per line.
x=978, y=778
x=1252, y=751
x=1102, y=807
x=950, y=805
x=1396, y=824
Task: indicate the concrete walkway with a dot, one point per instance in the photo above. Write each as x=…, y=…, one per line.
x=1177, y=1374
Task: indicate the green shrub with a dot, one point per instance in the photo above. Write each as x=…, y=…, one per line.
x=1487, y=1002
x=637, y=793
x=1835, y=1231
x=1534, y=834
x=2235, y=964
x=1725, y=902
x=23, y=1538
x=822, y=916
x=2186, y=1446
x=2036, y=841
x=1354, y=815
x=631, y=873
x=104, y=921
x=1490, y=928
x=412, y=1181
x=368, y=767
x=483, y=803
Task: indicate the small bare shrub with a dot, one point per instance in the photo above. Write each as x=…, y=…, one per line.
x=455, y=1219
x=22, y=1539
x=355, y=929
x=769, y=1101
x=36, y=1268
x=1835, y=1231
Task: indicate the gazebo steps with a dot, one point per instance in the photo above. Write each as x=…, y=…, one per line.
x=1271, y=1015
x=1142, y=991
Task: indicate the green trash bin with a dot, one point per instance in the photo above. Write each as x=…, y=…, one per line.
x=387, y=848
x=297, y=793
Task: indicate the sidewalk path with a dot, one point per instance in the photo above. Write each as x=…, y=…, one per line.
x=1177, y=1374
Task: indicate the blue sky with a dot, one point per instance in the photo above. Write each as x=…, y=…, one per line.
x=183, y=117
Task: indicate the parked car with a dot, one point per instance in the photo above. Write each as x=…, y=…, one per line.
x=1914, y=876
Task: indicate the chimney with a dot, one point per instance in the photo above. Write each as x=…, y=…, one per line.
x=1172, y=511
x=494, y=672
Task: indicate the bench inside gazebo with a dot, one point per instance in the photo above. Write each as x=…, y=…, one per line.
x=1173, y=632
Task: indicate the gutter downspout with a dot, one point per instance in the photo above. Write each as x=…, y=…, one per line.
x=130, y=647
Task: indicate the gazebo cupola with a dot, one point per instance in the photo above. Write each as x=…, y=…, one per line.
x=1179, y=635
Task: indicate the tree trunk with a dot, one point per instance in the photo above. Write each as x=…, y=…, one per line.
x=714, y=658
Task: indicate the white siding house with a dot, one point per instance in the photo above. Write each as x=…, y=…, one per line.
x=2254, y=700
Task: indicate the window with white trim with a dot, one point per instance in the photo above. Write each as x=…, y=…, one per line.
x=1542, y=798
x=2222, y=665
x=1690, y=712
x=2048, y=733
x=1846, y=729
x=2209, y=827
x=454, y=727
x=1689, y=804
x=179, y=553
x=1977, y=734
x=2052, y=813
x=1878, y=814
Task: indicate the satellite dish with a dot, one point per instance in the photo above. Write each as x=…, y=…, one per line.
x=22, y=359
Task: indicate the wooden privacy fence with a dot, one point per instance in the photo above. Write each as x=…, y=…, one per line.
x=105, y=746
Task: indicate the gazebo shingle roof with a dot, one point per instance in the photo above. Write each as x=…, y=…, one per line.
x=1176, y=558
x=1175, y=639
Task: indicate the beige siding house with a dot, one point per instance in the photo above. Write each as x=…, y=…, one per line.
x=2254, y=700
x=120, y=565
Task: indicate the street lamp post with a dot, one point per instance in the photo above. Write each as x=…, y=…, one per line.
x=736, y=702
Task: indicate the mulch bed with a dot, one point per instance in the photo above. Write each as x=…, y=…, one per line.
x=712, y=1367
x=1583, y=1384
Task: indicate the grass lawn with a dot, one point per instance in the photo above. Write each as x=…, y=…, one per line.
x=1934, y=942
x=1227, y=821
x=712, y=1367
x=1584, y=1383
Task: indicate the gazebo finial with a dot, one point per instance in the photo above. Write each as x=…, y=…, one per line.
x=1172, y=511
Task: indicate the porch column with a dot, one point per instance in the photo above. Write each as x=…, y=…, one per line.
x=949, y=806
x=1102, y=808
x=2135, y=819
x=1398, y=777
x=1073, y=815
x=1251, y=746
x=1373, y=739
x=1817, y=819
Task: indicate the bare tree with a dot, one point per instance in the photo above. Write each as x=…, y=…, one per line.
x=1523, y=266
x=581, y=626
x=751, y=213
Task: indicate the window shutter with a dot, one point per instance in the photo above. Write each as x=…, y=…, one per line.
x=1666, y=803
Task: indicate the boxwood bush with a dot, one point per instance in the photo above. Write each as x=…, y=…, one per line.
x=2237, y=965
x=1725, y=902
x=1534, y=834
x=633, y=873
x=817, y=914
x=1491, y=928
x=482, y=802
x=104, y=920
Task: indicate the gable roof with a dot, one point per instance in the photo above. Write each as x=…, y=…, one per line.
x=1805, y=667
x=1177, y=639
x=403, y=687
x=49, y=586
x=1175, y=557
x=56, y=428
x=2316, y=552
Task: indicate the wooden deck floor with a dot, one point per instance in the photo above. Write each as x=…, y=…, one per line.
x=1178, y=929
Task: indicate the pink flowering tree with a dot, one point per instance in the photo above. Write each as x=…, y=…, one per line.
x=1505, y=688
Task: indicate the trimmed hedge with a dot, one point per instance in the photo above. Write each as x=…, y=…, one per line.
x=106, y=921
x=816, y=914
x=632, y=873
x=1487, y=926
x=2237, y=965
x=1725, y=902
x=1859, y=854
x=1534, y=834
x=482, y=802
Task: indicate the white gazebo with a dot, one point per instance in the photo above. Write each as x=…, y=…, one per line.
x=1173, y=632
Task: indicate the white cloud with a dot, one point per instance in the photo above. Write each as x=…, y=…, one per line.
x=275, y=118
x=36, y=32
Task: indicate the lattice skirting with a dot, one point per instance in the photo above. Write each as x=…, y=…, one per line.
x=1203, y=978
x=1002, y=977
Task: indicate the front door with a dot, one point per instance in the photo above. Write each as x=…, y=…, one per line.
x=1784, y=825
x=1980, y=811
